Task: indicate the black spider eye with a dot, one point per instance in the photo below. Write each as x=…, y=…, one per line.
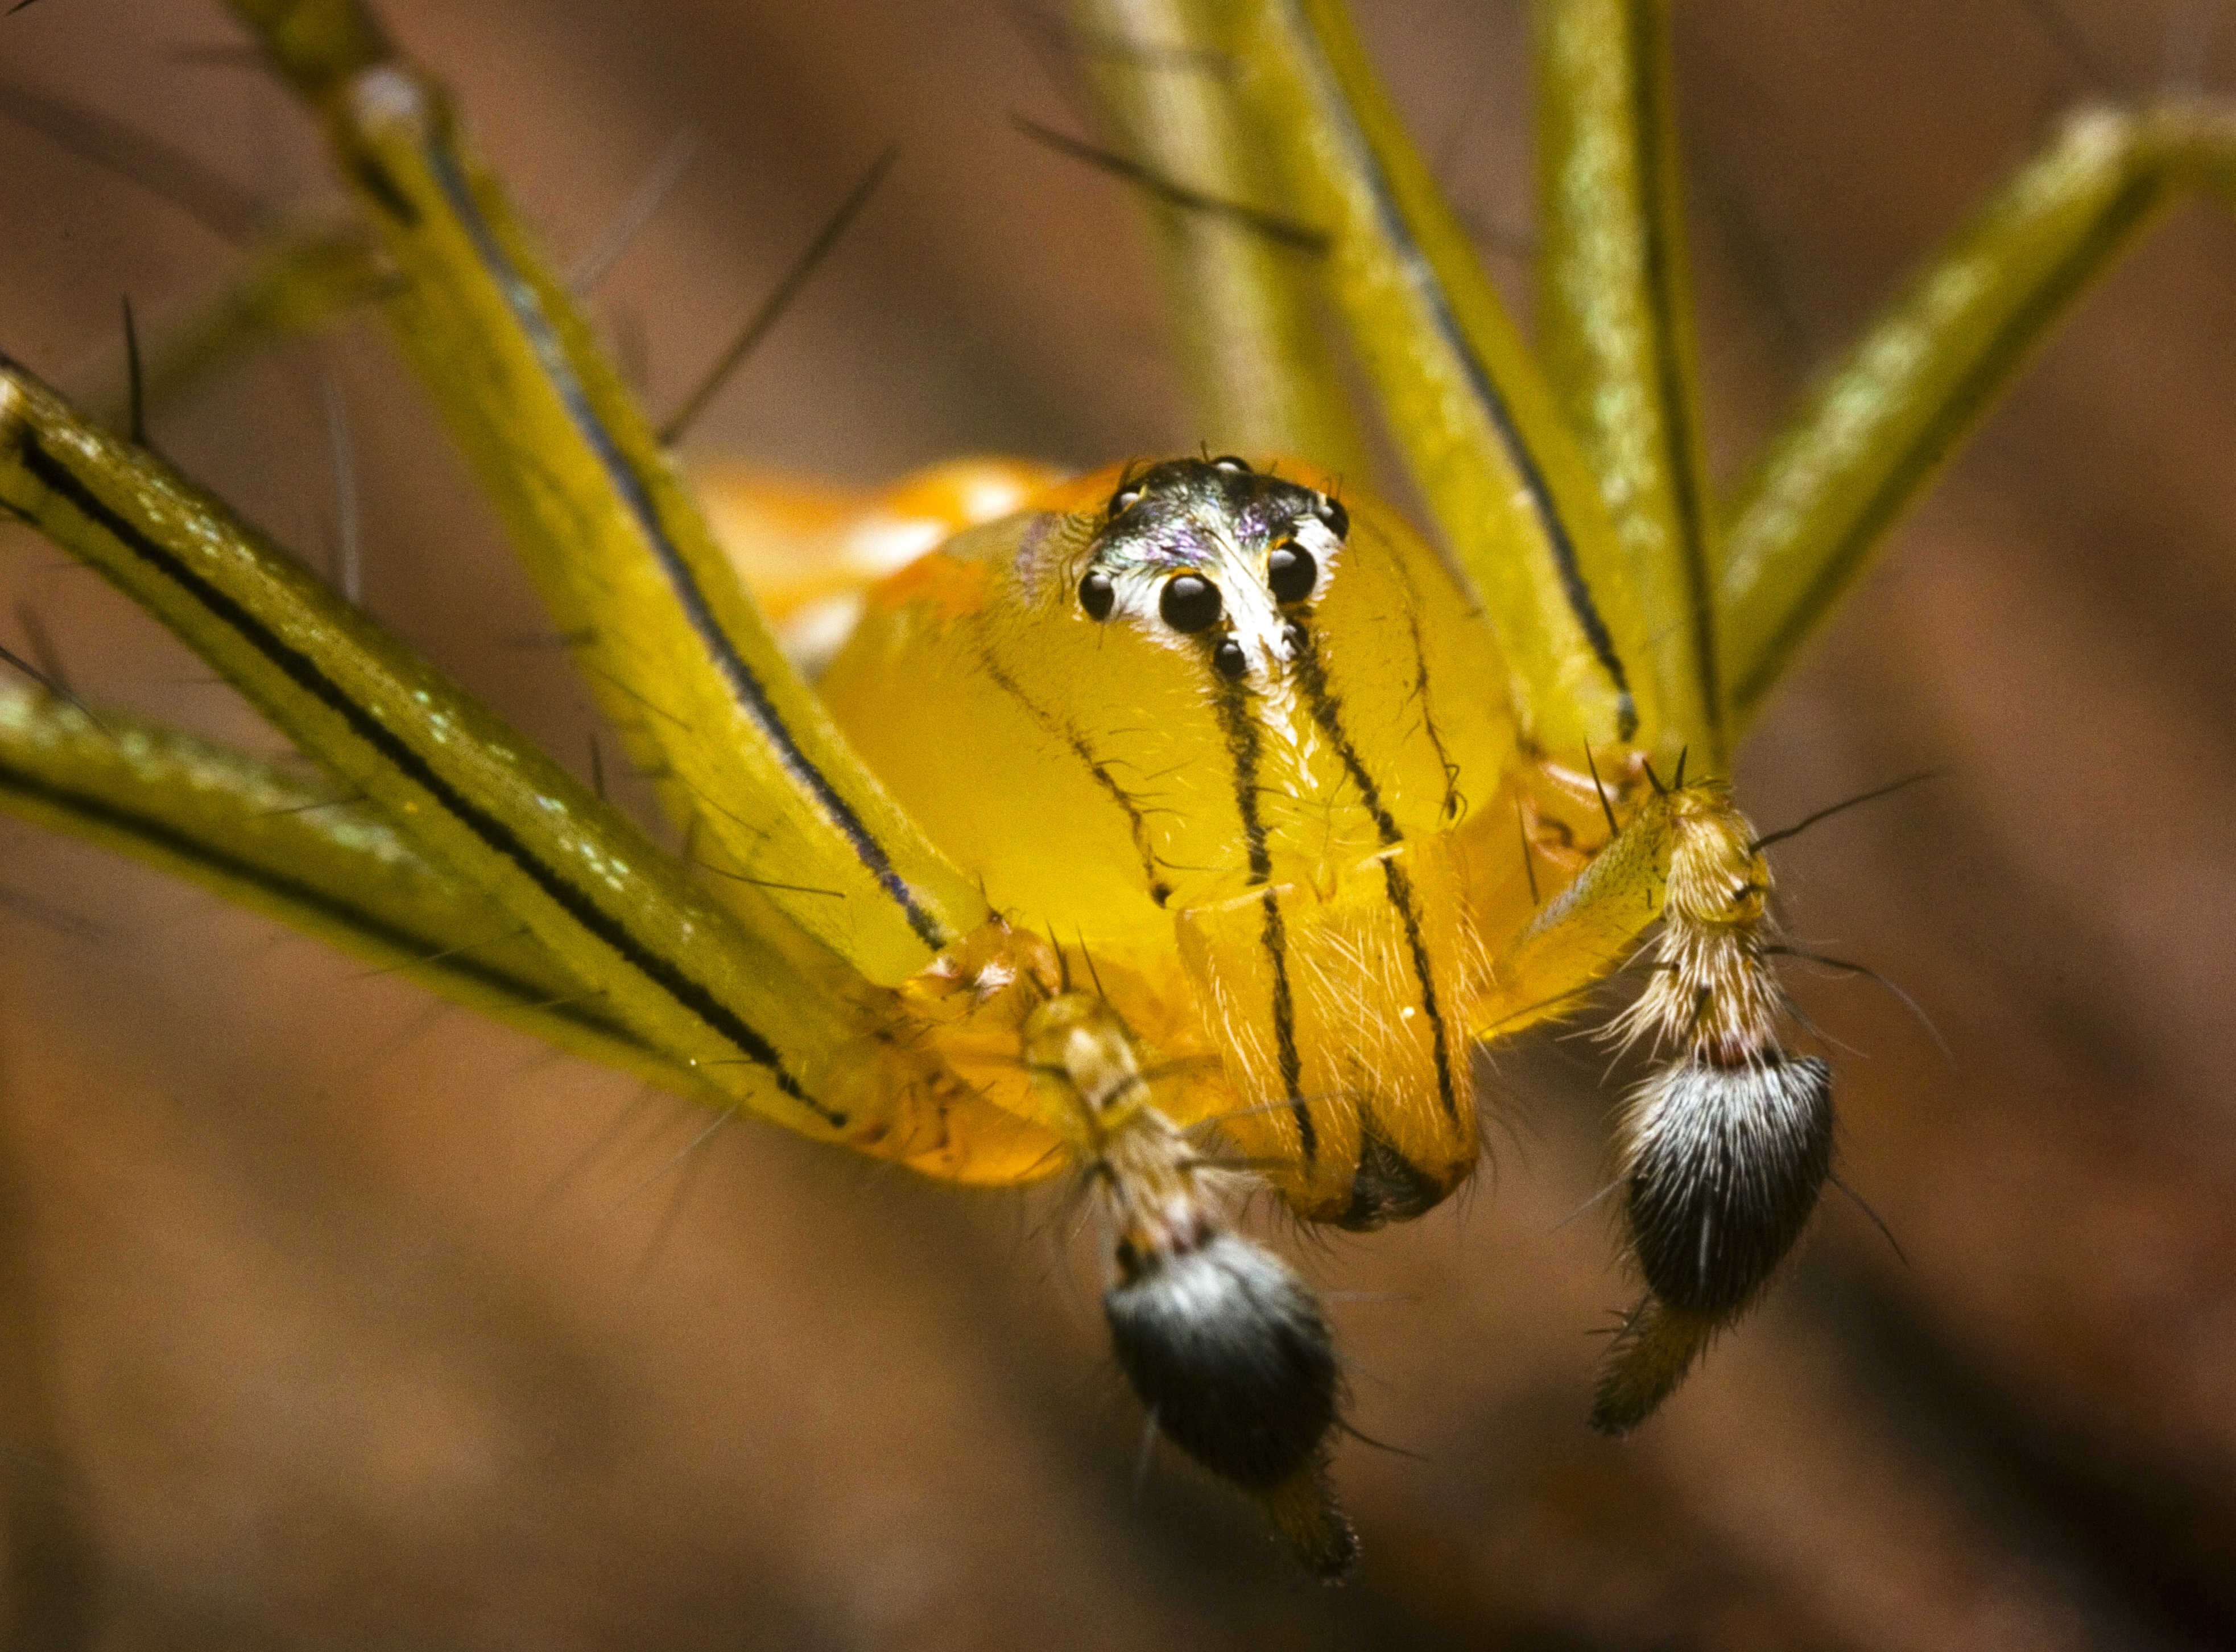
x=1228, y=462
x=1123, y=497
x=1228, y=659
x=1096, y=594
x=1338, y=520
x=1291, y=571
x=1190, y=604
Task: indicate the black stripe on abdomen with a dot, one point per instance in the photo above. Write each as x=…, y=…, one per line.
x=1242, y=749
x=1275, y=939
x=1400, y=889
x=1327, y=712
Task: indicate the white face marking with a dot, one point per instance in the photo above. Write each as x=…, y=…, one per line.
x=1248, y=612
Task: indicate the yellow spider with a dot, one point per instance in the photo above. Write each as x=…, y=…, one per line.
x=1185, y=825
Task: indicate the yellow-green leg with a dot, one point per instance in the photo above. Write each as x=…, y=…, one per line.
x=1802, y=525
x=1244, y=308
x=1615, y=326
x=294, y=283
x=1480, y=428
x=678, y=654
x=291, y=848
x=751, y=1019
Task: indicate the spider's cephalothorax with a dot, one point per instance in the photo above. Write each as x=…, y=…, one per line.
x=1244, y=706
x=1249, y=719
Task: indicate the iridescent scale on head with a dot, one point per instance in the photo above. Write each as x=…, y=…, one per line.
x=1215, y=560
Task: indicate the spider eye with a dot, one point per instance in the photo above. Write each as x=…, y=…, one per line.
x=1291, y=571
x=1190, y=604
x=1229, y=463
x=1228, y=659
x=1338, y=519
x=1124, y=497
x=1096, y=594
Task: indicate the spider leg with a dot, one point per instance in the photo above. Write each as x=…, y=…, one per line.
x=1802, y=525
x=279, y=843
x=294, y=282
x=1479, y=426
x=1582, y=934
x=608, y=529
x=760, y=1021
x=1614, y=324
x=1244, y=306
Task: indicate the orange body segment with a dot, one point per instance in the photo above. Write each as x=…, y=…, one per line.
x=1220, y=736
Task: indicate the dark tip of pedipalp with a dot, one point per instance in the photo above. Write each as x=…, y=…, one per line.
x=1229, y=1351
x=1304, y=1513
x=1723, y=1174
x=1652, y=1355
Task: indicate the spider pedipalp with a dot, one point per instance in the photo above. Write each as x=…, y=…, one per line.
x=1724, y=1166
x=1227, y=1347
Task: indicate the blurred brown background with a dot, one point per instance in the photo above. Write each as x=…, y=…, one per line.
x=328, y=1318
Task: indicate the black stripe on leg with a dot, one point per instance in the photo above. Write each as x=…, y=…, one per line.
x=1421, y=279
x=747, y=689
x=495, y=835
x=162, y=838
x=1648, y=61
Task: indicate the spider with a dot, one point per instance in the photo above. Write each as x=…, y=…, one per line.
x=1348, y=906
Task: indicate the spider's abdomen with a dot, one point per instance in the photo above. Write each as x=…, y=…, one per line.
x=1218, y=726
